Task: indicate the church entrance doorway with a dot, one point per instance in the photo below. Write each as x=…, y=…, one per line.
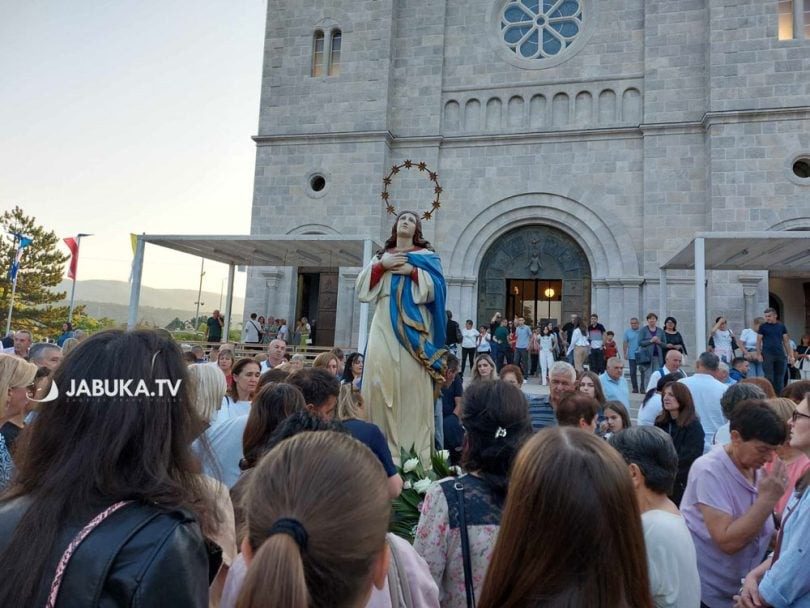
x=539, y=301
x=317, y=301
x=537, y=272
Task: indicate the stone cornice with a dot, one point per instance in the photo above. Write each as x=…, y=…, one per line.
x=422, y=141
x=543, y=83
x=323, y=138
x=755, y=115
x=460, y=281
x=686, y=127
x=618, y=282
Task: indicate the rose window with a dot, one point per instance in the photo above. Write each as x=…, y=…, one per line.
x=538, y=29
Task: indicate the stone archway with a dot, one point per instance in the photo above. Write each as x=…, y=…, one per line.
x=534, y=252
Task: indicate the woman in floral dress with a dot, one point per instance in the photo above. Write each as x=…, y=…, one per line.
x=497, y=423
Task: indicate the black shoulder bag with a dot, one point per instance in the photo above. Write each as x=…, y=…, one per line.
x=465, y=546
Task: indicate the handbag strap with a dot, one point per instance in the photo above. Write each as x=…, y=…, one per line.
x=398, y=585
x=74, y=544
x=469, y=589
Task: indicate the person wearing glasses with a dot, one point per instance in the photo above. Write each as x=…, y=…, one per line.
x=16, y=388
x=781, y=580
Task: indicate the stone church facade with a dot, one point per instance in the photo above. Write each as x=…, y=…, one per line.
x=579, y=145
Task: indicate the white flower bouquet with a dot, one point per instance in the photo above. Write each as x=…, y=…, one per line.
x=416, y=481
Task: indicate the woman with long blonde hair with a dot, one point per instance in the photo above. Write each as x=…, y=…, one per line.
x=16, y=387
x=484, y=368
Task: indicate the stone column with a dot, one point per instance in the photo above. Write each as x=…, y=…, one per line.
x=347, y=303
x=600, y=303
x=454, y=297
x=749, y=284
x=467, y=306
x=272, y=278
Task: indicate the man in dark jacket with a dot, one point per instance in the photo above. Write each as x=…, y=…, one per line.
x=453, y=334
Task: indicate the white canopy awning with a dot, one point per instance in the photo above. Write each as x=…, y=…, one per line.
x=329, y=251
x=777, y=251
x=772, y=251
x=313, y=250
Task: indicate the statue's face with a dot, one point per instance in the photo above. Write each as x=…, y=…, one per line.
x=406, y=225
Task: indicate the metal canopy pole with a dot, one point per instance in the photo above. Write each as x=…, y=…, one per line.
x=229, y=302
x=363, y=334
x=700, y=296
x=135, y=290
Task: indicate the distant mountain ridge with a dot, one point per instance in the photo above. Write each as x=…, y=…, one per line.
x=160, y=306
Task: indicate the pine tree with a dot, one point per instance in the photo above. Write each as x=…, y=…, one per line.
x=41, y=269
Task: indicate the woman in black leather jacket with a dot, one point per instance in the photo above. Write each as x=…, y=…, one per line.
x=124, y=453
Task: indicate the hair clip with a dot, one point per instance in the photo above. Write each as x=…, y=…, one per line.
x=501, y=432
x=153, y=361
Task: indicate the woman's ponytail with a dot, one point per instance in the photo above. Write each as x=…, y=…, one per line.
x=278, y=559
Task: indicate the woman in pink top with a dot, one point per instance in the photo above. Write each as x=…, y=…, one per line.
x=796, y=461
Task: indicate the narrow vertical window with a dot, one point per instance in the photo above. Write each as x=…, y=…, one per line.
x=806, y=19
x=317, y=54
x=785, y=12
x=334, y=53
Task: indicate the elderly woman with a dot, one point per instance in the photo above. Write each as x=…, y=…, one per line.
x=497, y=423
x=781, y=580
x=653, y=464
x=728, y=504
x=17, y=382
x=16, y=387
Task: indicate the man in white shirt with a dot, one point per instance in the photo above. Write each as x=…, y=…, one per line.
x=706, y=393
x=252, y=330
x=672, y=365
x=275, y=354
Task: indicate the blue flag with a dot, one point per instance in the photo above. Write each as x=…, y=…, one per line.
x=24, y=242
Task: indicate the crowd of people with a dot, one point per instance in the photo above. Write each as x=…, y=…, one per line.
x=260, y=481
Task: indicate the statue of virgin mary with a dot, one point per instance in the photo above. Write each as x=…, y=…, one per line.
x=404, y=357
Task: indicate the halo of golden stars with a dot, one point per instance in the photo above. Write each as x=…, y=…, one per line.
x=422, y=168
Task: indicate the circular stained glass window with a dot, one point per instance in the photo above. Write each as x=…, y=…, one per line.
x=539, y=29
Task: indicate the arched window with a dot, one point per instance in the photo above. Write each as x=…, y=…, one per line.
x=334, y=53
x=317, y=53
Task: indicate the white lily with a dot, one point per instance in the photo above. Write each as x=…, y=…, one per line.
x=445, y=454
x=410, y=465
x=422, y=485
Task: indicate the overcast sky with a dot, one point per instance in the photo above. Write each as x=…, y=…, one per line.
x=126, y=116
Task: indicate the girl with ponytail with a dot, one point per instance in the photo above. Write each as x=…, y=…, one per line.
x=316, y=511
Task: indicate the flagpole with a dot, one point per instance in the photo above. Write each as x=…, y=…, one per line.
x=13, y=284
x=11, y=304
x=73, y=289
